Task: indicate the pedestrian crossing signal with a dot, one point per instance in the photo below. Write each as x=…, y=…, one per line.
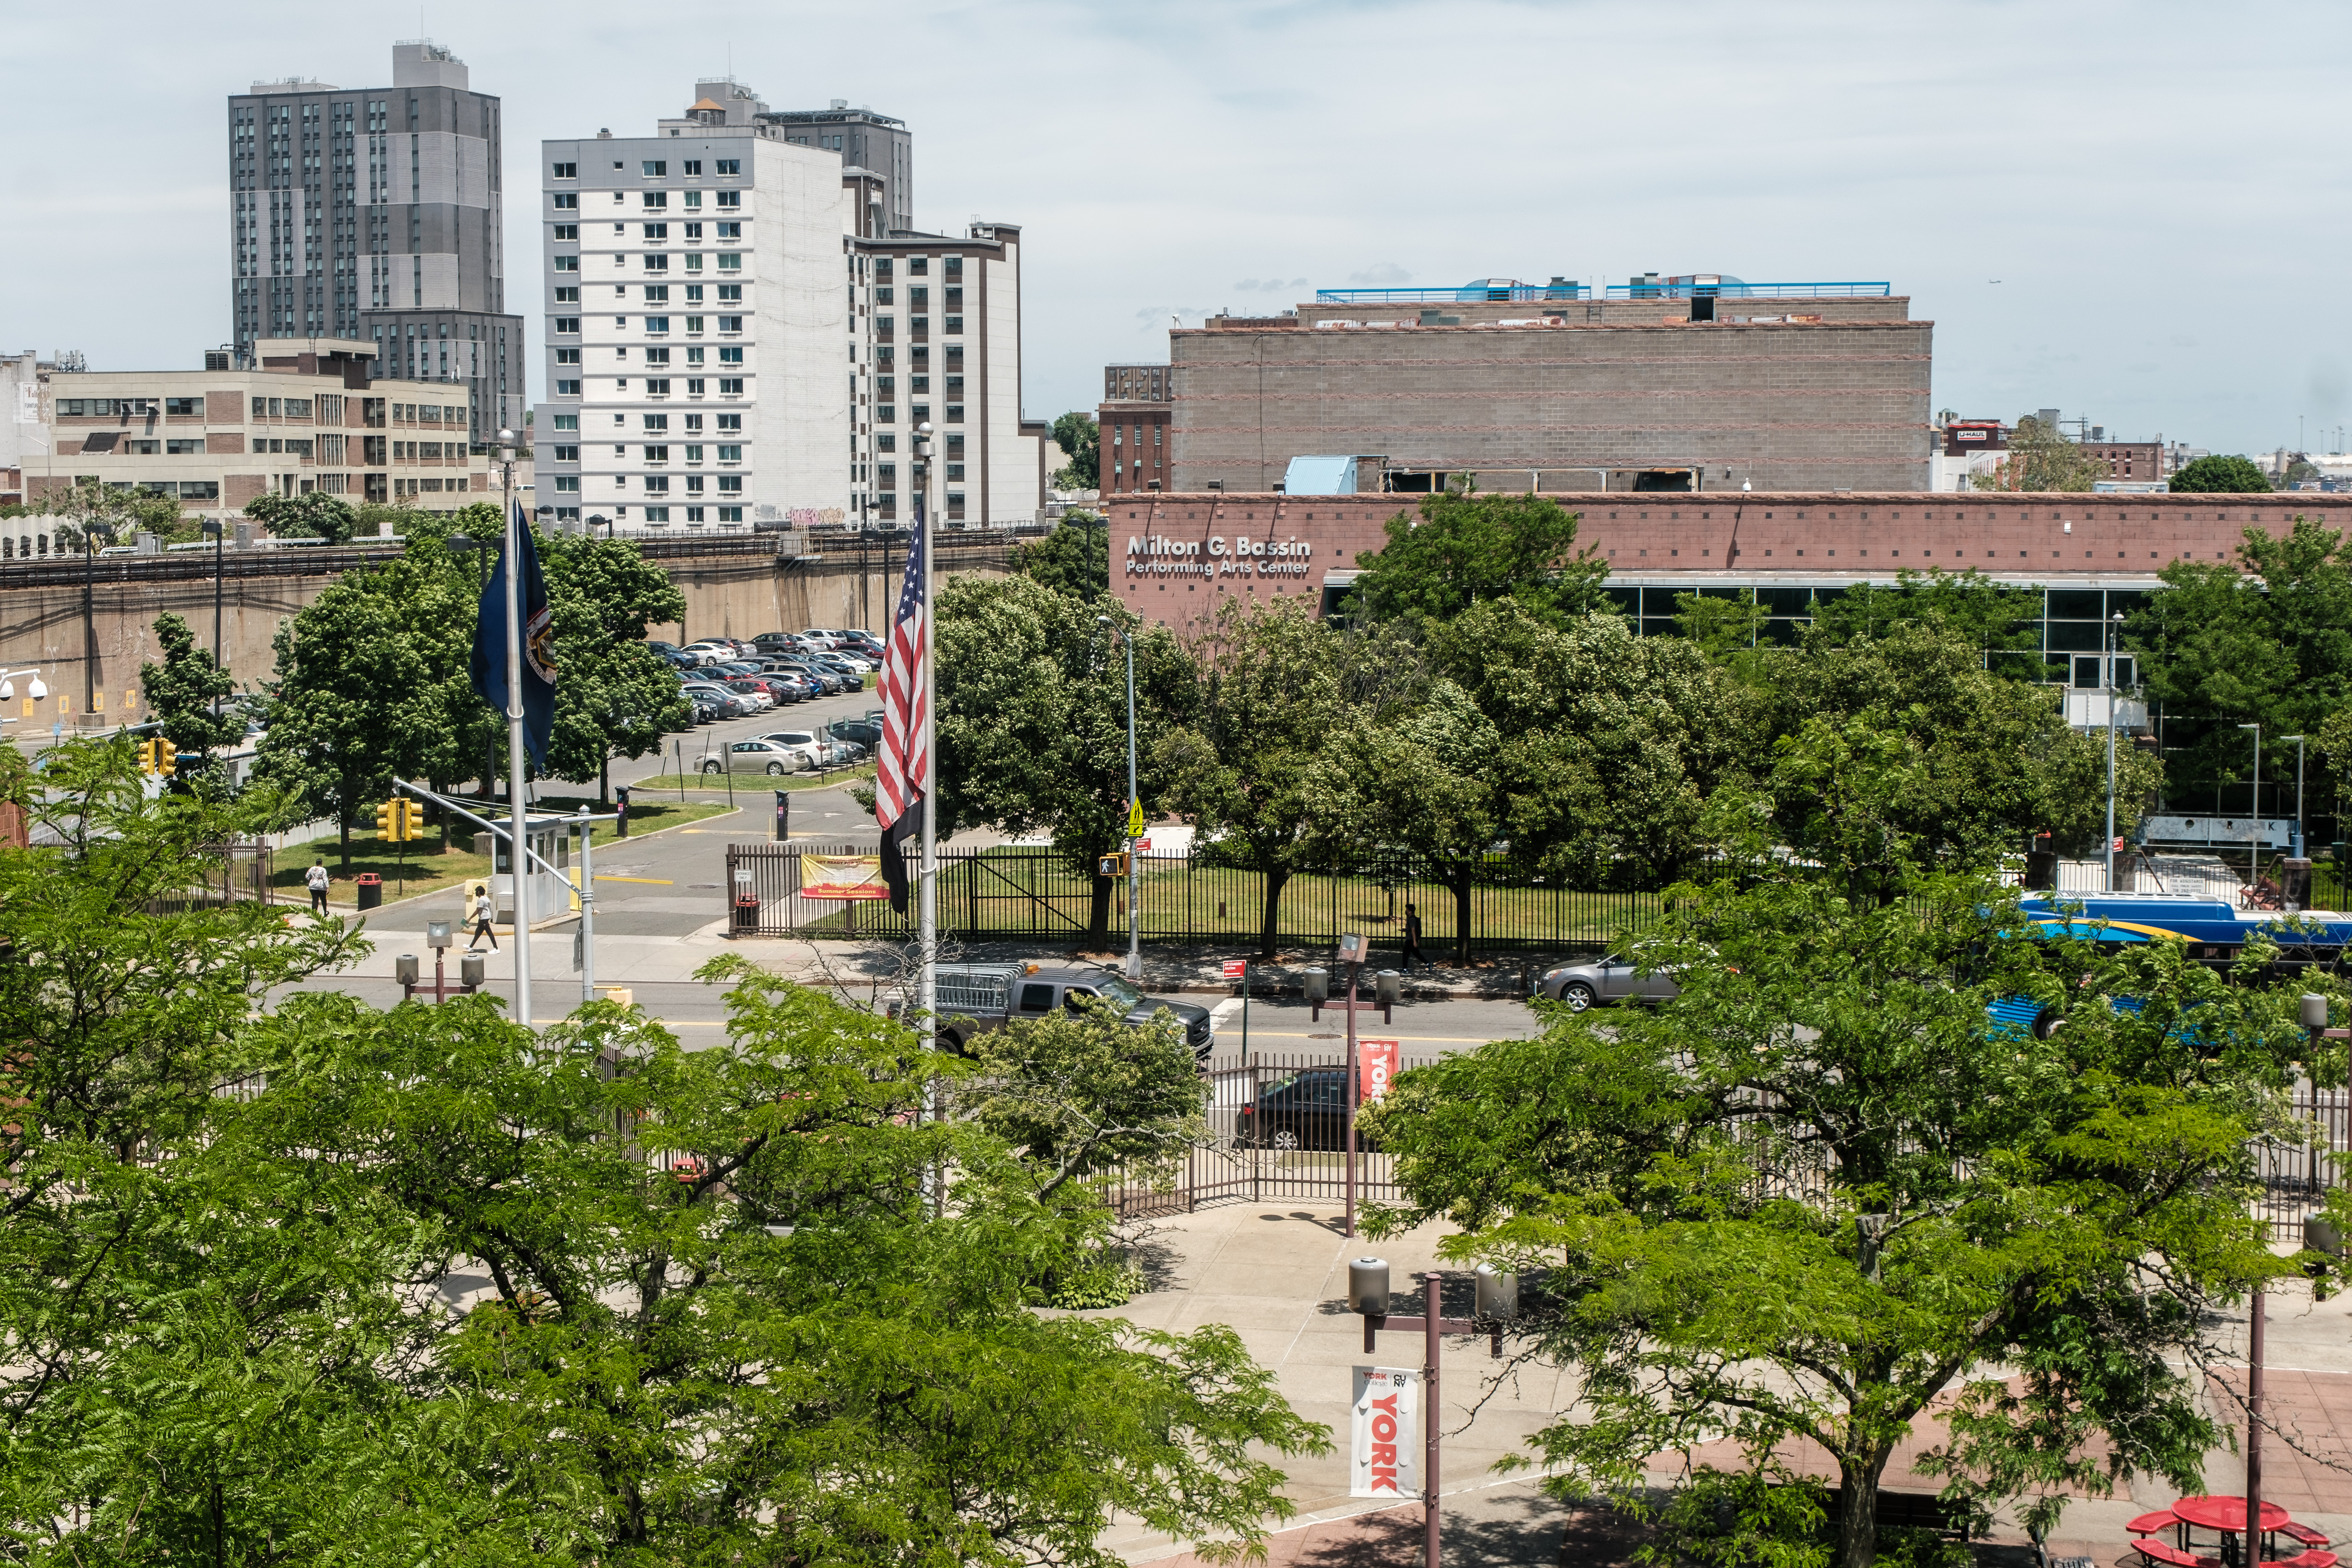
x=1112, y=865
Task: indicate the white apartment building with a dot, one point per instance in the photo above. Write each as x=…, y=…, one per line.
x=727, y=342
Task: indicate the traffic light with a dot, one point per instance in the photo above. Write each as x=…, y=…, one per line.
x=412, y=819
x=146, y=756
x=1112, y=865
x=167, y=757
x=387, y=816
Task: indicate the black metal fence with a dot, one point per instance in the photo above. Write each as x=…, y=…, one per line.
x=1277, y=1133
x=1018, y=893
x=2297, y=1175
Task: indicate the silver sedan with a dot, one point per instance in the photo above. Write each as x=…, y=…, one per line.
x=1613, y=979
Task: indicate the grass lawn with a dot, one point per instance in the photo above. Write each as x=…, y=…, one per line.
x=426, y=871
x=746, y=780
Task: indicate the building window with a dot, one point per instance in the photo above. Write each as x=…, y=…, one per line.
x=567, y=389
x=567, y=264
x=955, y=414
x=730, y=293
x=658, y=324
x=731, y=454
x=884, y=414
x=656, y=169
x=568, y=324
x=955, y=472
x=731, y=484
x=730, y=231
x=567, y=201
x=692, y=168
x=567, y=422
x=917, y=265
x=568, y=296
x=951, y=324
x=567, y=231
x=657, y=386
x=567, y=171
x=656, y=263
x=730, y=386
x=734, y=356
x=694, y=386
x=730, y=323
x=655, y=201
x=729, y=165
x=567, y=453
x=567, y=484
x=567, y=356
x=730, y=261
x=657, y=231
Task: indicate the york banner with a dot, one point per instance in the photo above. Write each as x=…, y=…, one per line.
x=1385, y=1452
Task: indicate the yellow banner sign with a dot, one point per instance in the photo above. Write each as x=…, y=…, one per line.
x=843, y=876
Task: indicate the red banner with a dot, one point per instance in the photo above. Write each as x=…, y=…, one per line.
x=1235, y=968
x=1376, y=1069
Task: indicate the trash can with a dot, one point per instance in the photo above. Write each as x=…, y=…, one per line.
x=746, y=921
x=371, y=887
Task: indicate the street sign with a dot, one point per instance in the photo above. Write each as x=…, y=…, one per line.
x=1376, y=1069
x=1235, y=969
x=1135, y=819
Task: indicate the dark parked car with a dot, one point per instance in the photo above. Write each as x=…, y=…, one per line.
x=865, y=732
x=1305, y=1109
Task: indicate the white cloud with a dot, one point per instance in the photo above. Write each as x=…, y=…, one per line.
x=1380, y=275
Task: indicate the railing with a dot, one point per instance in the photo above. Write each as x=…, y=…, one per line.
x=1035, y=894
x=2296, y=1177
x=1688, y=290
x=1469, y=294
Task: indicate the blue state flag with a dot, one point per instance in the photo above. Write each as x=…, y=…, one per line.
x=537, y=646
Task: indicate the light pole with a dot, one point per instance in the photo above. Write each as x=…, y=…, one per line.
x=2297, y=846
x=518, y=802
x=2114, y=632
x=219, y=532
x=2255, y=824
x=1134, y=811
x=90, y=533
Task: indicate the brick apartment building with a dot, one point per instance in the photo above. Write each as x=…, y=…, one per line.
x=1135, y=421
x=1694, y=383
x=309, y=418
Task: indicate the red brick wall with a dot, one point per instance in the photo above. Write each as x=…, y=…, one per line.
x=2044, y=537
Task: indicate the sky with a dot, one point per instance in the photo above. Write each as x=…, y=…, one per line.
x=2128, y=212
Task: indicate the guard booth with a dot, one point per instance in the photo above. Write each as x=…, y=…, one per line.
x=548, y=893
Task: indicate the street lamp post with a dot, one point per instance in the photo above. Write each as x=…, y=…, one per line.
x=2254, y=823
x=2114, y=692
x=2296, y=849
x=1134, y=808
x=91, y=533
x=219, y=532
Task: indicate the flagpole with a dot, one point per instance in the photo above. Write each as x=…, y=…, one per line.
x=518, y=858
x=928, y=930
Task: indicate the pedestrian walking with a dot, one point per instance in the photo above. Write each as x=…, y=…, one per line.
x=479, y=913
x=1412, y=937
x=315, y=879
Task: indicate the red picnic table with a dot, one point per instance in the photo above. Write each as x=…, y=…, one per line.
x=2226, y=1516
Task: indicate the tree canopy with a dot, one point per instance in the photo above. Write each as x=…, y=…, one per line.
x=1081, y=441
x=1819, y=1191
x=429, y=1287
x=1075, y=559
x=1462, y=550
x=186, y=693
x=2223, y=474
x=2039, y=458
x=313, y=514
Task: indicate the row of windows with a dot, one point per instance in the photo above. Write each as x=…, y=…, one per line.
x=659, y=293
x=658, y=168
x=656, y=261
x=888, y=413
x=918, y=298
x=918, y=266
x=659, y=386
x=655, y=201
x=658, y=325
x=884, y=325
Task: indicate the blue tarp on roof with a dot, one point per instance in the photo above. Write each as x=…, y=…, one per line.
x=1321, y=477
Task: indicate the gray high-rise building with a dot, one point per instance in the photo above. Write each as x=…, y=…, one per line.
x=876, y=144
x=375, y=213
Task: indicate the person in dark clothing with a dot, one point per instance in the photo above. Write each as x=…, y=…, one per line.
x=1413, y=953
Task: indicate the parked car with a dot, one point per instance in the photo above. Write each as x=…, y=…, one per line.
x=710, y=650
x=808, y=747
x=848, y=659
x=866, y=733
x=731, y=704
x=677, y=658
x=1305, y=1109
x=759, y=756
x=816, y=637
x=770, y=642
x=977, y=997
x=1608, y=980
x=828, y=680
x=755, y=689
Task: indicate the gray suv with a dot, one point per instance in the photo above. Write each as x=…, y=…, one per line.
x=978, y=998
x=1611, y=979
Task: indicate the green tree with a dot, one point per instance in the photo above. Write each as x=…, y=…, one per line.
x=2264, y=639
x=1075, y=559
x=1033, y=718
x=612, y=697
x=1079, y=1093
x=1463, y=550
x=1611, y=743
x=313, y=514
x=1274, y=689
x=1819, y=1192
x=1993, y=618
x=186, y=692
x=1995, y=760
x=431, y=1286
x=1081, y=441
x=2228, y=476
x=121, y=507
x=353, y=702
x=2041, y=458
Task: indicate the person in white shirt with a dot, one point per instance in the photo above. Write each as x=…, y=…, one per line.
x=479, y=914
x=315, y=879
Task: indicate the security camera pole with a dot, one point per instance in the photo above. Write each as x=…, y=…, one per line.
x=1497, y=1302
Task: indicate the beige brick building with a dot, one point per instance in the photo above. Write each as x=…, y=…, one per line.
x=1683, y=385
x=309, y=418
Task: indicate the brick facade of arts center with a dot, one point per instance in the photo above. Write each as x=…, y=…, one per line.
x=1174, y=556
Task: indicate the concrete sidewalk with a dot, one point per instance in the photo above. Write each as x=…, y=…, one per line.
x=1278, y=1274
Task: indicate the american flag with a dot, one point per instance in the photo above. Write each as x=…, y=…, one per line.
x=906, y=703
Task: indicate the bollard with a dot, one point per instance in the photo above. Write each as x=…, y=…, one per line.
x=1368, y=1287
x=469, y=970
x=621, y=817
x=783, y=816
x=1319, y=991
x=403, y=969
x=1389, y=986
